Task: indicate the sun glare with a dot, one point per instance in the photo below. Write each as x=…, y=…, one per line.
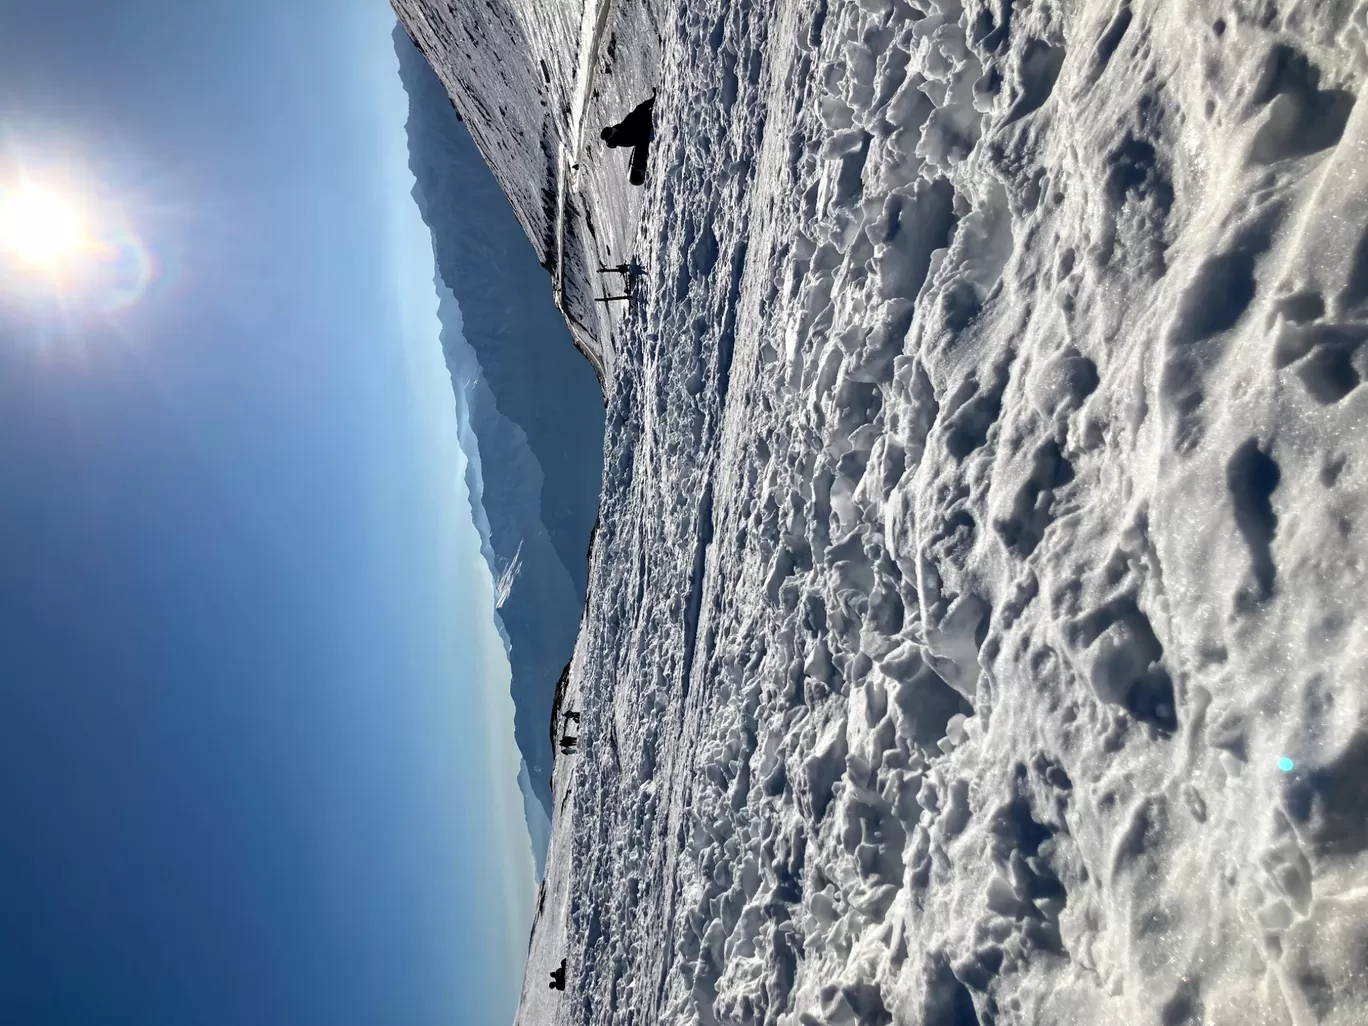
x=72, y=245
x=40, y=227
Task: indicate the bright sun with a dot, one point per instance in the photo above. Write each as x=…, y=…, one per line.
x=40, y=227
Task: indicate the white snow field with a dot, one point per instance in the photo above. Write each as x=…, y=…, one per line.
x=976, y=622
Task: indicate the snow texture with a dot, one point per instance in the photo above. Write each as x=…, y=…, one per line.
x=975, y=631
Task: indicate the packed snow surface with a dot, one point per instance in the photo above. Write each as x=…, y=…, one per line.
x=975, y=630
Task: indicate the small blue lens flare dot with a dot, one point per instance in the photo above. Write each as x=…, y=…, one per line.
x=1286, y=765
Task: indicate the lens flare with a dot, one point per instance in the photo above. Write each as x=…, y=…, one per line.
x=129, y=268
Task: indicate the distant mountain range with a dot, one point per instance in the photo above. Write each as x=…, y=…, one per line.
x=531, y=414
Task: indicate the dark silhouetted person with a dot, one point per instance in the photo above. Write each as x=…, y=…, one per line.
x=558, y=977
x=636, y=131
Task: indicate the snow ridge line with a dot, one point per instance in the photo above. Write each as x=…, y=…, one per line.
x=592, y=23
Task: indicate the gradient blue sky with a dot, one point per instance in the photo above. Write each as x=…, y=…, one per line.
x=256, y=757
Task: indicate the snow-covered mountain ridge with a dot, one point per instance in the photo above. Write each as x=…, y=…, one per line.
x=511, y=68
x=974, y=631
x=530, y=411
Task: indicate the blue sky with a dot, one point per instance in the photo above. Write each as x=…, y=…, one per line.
x=256, y=758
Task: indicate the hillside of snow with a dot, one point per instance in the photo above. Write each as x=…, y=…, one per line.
x=975, y=629
x=531, y=416
x=511, y=69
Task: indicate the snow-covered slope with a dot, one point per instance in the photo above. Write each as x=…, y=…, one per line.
x=510, y=67
x=530, y=410
x=975, y=630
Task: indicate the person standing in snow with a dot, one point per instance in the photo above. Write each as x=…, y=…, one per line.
x=635, y=130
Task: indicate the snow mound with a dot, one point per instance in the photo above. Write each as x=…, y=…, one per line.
x=975, y=631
